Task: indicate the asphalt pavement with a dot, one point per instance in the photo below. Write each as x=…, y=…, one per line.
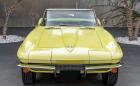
x=129, y=74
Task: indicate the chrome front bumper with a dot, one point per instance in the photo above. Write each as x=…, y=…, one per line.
x=55, y=68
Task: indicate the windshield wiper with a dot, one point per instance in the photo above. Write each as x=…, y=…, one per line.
x=69, y=25
x=63, y=25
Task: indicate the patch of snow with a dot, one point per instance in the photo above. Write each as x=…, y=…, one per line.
x=125, y=40
x=11, y=39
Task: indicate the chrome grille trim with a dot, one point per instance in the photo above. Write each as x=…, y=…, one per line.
x=70, y=67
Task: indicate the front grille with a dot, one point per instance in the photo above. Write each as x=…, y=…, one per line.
x=69, y=67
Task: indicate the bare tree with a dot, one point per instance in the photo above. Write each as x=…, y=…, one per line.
x=133, y=22
x=8, y=11
x=34, y=17
x=127, y=16
x=136, y=28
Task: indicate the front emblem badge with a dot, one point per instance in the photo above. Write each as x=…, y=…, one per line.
x=70, y=48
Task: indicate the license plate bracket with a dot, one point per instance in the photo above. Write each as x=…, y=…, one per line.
x=70, y=67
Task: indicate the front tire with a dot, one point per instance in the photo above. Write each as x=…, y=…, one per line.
x=28, y=78
x=110, y=79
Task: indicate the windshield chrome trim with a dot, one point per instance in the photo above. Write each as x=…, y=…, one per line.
x=71, y=9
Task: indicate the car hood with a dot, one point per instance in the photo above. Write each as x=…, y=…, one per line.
x=70, y=37
x=65, y=45
x=69, y=45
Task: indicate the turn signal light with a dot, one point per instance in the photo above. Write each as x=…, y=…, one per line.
x=114, y=70
x=25, y=70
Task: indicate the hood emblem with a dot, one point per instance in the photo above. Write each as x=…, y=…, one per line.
x=70, y=48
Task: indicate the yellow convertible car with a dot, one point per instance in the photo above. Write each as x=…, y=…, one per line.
x=69, y=40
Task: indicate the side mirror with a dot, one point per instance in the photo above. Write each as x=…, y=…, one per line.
x=104, y=21
x=41, y=22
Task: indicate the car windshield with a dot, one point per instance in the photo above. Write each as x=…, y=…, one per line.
x=70, y=18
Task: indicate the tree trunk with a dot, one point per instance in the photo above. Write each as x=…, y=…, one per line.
x=130, y=27
x=76, y=4
x=8, y=12
x=129, y=14
x=136, y=31
x=4, y=32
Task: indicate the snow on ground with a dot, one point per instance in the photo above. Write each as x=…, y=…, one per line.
x=11, y=39
x=125, y=40
x=15, y=38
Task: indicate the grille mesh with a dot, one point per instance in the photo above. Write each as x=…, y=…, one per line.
x=70, y=67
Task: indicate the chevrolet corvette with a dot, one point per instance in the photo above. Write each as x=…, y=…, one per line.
x=70, y=40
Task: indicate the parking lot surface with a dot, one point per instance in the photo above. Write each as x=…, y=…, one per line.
x=129, y=74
